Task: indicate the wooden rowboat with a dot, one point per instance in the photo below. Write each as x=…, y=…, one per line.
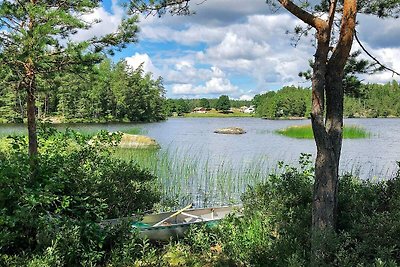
x=166, y=225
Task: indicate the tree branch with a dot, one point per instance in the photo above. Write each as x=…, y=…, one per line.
x=347, y=29
x=306, y=17
x=372, y=57
x=332, y=9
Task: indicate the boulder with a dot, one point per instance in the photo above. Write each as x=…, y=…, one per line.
x=230, y=130
x=138, y=141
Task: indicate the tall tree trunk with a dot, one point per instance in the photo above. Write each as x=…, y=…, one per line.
x=31, y=105
x=327, y=79
x=325, y=184
x=328, y=134
x=32, y=134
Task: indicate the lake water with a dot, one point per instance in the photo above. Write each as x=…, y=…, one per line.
x=196, y=165
x=375, y=156
x=195, y=137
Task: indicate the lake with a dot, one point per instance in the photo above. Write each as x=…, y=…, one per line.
x=192, y=141
x=376, y=156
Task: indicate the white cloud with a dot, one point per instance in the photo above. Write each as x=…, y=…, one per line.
x=142, y=59
x=241, y=40
x=109, y=22
x=246, y=97
x=237, y=47
x=255, y=47
x=389, y=57
x=217, y=84
x=182, y=71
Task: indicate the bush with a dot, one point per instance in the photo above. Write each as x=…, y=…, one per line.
x=77, y=185
x=276, y=227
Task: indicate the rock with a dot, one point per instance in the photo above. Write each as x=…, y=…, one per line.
x=230, y=130
x=138, y=141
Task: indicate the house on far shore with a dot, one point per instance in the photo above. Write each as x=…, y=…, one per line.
x=249, y=110
x=200, y=110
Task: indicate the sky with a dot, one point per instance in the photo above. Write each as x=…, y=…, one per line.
x=232, y=47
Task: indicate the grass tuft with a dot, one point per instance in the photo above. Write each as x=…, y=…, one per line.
x=305, y=132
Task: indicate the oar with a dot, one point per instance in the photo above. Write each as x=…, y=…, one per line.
x=173, y=215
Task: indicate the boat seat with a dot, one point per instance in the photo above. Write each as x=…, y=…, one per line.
x=195, y=217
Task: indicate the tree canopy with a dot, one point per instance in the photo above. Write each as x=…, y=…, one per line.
x=36, y=43
x=223, y=104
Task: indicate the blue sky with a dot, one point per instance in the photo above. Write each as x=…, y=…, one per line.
x=233, y=48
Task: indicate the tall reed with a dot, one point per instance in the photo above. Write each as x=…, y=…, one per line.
x=202, y=180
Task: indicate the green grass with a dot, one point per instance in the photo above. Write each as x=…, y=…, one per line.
x=134, y=130
x=305, y=132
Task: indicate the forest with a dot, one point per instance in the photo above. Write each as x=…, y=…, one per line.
x=370, y=101
x=107, y=92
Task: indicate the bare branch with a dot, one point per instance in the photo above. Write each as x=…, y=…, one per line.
x=372, y=57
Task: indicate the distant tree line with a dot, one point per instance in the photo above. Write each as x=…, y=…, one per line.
x=363, y=100
x=223, y=103
x=290, y=101
x=109, y=92
x=375, y=100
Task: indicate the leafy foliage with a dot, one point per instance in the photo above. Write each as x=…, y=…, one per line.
x=373, y=100
x=223, y=104
x=376, y=101
x=275, y=228
x=205, y=103
x=78, y=185
x=181, y=106
x=287, y=102
x=352, y=85
x=110, y=92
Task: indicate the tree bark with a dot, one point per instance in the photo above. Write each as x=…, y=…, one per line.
x=30, y=86
x=328, y=133
x=32, y=133
x=31, y=114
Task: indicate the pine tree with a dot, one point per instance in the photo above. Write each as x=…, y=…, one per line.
x=35, y=44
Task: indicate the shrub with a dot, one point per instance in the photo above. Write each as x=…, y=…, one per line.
x=276, y=227
x=77, y=185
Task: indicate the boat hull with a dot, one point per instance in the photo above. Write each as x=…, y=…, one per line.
x=173, y=225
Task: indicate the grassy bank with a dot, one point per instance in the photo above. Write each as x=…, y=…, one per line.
x=305, y=132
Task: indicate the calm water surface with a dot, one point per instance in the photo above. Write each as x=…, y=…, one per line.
x=375, y=156
x=372, y=157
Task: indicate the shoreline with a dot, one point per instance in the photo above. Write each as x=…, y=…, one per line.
x=224, y=116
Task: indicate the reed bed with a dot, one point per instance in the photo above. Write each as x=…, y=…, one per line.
x=207, y=181
x=201, y=180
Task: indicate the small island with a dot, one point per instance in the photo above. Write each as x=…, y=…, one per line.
x=305, y=132
x=138, y=142
x=230, y=130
